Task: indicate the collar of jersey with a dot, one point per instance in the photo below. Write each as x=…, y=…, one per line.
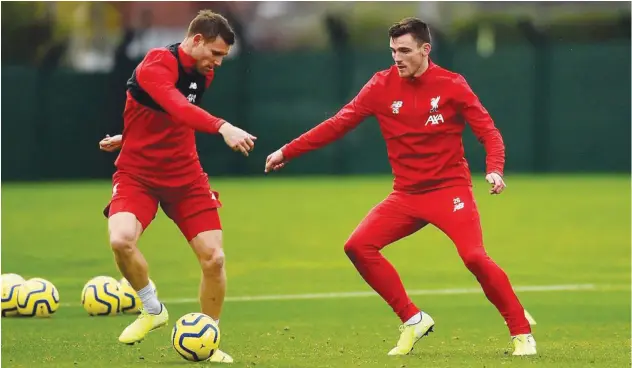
x=424, y=75
x=187, y=61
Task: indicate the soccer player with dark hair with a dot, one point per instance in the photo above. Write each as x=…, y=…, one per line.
x=422, y=110
x=159, y=165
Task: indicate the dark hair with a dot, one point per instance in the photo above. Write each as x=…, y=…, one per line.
x=418, y=29
x=210, y=25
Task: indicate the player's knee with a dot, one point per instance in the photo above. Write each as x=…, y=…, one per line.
x=122, y=242
x=212, y=262
x=354, y=247
x=475, y=260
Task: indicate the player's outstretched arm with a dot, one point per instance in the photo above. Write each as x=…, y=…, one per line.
x=486, y=132
x=326, y=132
x=111, y=144
x=157, y=76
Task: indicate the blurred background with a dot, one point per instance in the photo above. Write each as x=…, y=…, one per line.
x=554, y=75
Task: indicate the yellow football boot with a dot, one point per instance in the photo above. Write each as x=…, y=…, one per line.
x=144, y=324
x=523, y=345
x=410, y=334
x=220, y=357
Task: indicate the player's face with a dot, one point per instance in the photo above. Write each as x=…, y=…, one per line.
x=408, y=55
x=209, y=54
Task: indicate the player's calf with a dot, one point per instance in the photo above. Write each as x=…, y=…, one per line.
x=208, y=249
x=497, y=289
x=125, y=230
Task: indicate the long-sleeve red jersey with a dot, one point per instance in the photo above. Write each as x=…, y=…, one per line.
x=160, y=119
x=422, y=121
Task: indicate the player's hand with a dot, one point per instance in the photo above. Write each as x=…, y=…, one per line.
x=237, y=139
x=497, y=182
x=275, y=161
x=111, y=144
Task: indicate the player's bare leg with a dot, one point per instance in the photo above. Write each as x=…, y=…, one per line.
x=125, y=230
x=208, y=248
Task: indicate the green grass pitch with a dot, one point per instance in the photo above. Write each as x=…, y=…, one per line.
x=285, y=236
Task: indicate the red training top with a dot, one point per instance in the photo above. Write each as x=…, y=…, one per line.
x=159, y=146
x=422, y=120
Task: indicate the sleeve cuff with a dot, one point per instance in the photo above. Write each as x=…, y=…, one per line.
x=287, y=152
x=219, y=123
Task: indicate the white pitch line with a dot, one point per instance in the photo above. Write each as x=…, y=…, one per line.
x=364, y=294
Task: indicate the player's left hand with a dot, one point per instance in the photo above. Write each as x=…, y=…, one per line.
x=237, y=139
x=497, y=182
x=111, y=144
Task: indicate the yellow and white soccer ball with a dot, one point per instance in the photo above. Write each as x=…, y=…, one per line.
x=195, y=337
x=37, y=297
x=10, y=284
x=100, y=296
x=130, y=302
x=12, y=277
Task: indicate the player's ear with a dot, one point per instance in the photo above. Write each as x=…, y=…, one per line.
x=198, y=39
x=425, y=49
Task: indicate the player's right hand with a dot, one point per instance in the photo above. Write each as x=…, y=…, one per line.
x=111, y=144
x=237, y=139
x=497, y=183
x=275, y=161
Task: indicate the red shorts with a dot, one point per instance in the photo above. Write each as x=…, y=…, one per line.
x=192, y=207
x=452, y=210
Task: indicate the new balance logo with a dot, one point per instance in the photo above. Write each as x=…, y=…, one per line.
x=435, y=119
x=458, y=205
x=396, y=106
x=191, y=98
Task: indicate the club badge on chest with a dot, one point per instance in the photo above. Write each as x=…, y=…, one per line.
x=435, y=117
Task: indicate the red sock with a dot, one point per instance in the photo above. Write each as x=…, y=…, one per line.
x=382, y=277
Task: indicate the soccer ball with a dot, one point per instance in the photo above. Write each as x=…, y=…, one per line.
x=100, y=296
x=10, y=284
x=37, y=297
x=13, y=278
x=130, y=302
x=195, y=337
